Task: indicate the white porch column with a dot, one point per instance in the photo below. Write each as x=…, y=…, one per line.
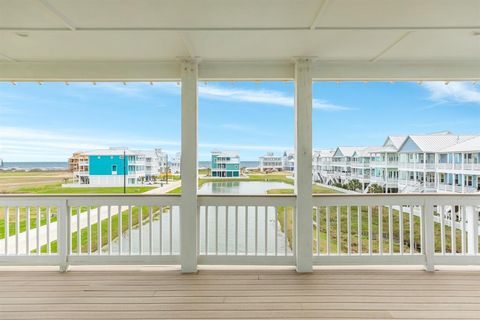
x=303, y=164
x=188, y=167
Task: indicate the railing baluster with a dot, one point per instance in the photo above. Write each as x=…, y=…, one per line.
x=216, y=229
x=89, y=231
x=27, y=234
x=390, y=230
x=464, y=225
x=109, y=230
x=150, y=230
x=412, y=231
x=400, y=228
x=339, y=227
x=236, y=230
x=442, y=210
x=130, y=216
x=120, y=230
x=276, y=235
x=7, y=228
x=17, y=229
x=380, y=229
x=140, y=231
x=359, y=229
x=349, y=230
x=327, y=222
x=48, y=230
x=160, y=235
x=285, y=228
x=38, y=222
x=256, y=230
x=79, y=236
x=99, y=230
x=266, y=230
x=317, y=228
x=370, y=231
x=170, y=228
x=226, y=230
x=246, y=230
x=453, y=231
x=422, y=228
x=206, y=229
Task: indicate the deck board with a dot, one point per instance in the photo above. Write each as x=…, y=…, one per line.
x=239, y=294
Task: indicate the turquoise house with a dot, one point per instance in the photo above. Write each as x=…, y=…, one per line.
x=114, y=167
x=225, y=164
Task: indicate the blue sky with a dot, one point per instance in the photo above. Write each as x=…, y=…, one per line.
x=48, y=122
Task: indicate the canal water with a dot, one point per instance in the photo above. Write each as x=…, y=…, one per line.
x=256, y=228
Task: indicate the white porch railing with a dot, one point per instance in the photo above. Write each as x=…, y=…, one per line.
x=246, y=230
x=253, y=230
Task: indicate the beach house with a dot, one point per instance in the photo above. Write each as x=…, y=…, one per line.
x=270, y=162
x=225, y=164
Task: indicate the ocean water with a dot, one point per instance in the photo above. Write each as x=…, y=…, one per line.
x=35, y=165
x=64, y=165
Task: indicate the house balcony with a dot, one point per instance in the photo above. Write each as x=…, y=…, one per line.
x=383, y=164
x=360, y=165
x=417, y=165
x=471, y=166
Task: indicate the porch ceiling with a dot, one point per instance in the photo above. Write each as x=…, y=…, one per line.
x=377, y=38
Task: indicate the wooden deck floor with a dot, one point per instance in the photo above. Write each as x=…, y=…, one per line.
x=149, y=293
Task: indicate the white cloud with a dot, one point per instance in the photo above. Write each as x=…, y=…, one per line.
x=261, y=96
x=453, y=92
x=25, y=144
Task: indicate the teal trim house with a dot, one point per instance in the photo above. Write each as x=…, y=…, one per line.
x=114, y=167
x=225, y=164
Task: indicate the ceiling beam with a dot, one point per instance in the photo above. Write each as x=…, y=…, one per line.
x=390, y=46
x=245, y=29
x=65, y=20
x=320, y=12
x=240, y=70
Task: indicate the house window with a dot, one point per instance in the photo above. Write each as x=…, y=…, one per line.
x=114, y=169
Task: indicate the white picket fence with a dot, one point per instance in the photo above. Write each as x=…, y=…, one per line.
x=239, y=230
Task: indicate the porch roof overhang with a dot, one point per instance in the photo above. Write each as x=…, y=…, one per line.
x=92, y=40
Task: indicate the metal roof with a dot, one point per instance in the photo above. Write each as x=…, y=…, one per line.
x=347, y=151
x=397, y=141
x=435, y=142
x=472, y=144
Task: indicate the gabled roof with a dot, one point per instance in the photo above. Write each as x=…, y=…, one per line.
x=433, y=142
x=472, y=144
x=395, y=141
x=324, y=153
x=346, y=151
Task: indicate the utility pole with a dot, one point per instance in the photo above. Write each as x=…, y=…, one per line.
x=124, y=172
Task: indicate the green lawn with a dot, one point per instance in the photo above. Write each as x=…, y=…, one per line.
x=363, y=238
x=52, y=189
x=137, y=215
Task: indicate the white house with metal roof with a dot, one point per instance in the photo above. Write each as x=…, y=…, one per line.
x=458, y=167
x=322, y=165
x=418, y=160
x=341, y=162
